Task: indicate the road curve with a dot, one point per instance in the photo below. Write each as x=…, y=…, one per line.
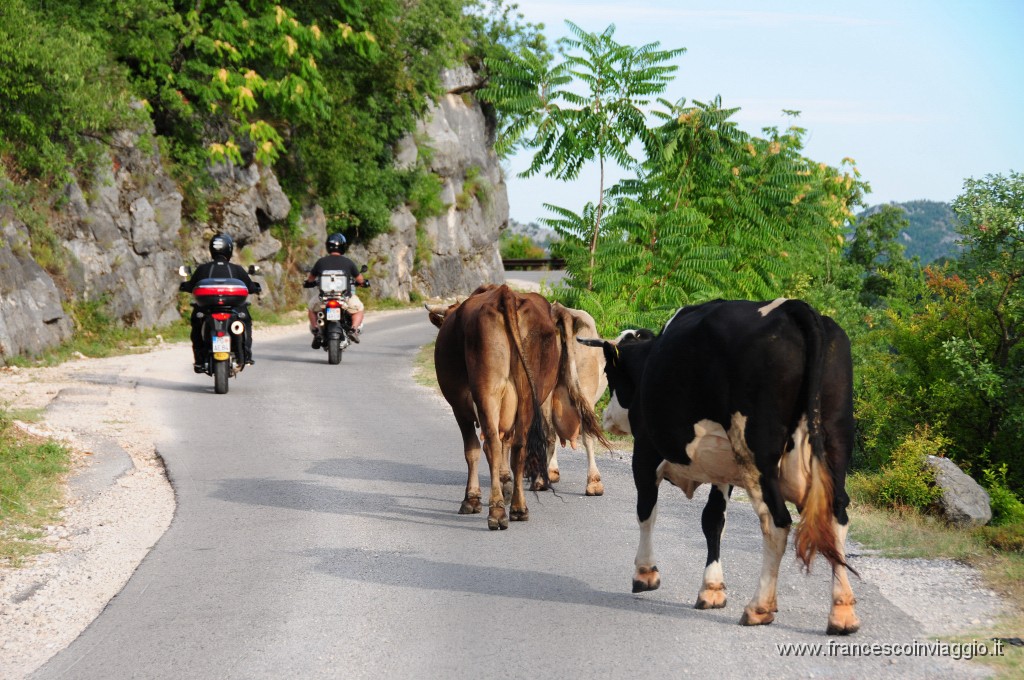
x=317, y=536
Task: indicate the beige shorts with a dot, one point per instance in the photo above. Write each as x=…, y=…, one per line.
x=352, y=304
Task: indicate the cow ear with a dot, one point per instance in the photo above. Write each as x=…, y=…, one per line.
x=591, y=342
x=611, y=354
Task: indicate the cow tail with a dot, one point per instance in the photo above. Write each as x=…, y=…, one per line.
x=816, y=531
x=571, y=379
x=536, y=437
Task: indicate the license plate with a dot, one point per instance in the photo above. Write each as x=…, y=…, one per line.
x=222, y=343
x=333, y=314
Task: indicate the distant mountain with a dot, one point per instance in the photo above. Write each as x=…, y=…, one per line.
x=931, y=233
x=540, y=235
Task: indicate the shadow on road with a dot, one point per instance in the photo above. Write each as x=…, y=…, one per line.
x=411, y=571
x=386, y=470
x=312, y=497
x=159, y=384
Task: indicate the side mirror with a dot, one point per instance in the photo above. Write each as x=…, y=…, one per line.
x=363, y=270
x=254, y=269
x=185, y=271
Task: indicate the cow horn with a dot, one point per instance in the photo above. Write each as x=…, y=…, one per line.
x=435, y=309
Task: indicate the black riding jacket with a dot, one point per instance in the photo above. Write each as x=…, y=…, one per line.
x=220, y=269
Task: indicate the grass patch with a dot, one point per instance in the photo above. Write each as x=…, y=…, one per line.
x=373, y=304
x=97, y=334
x=423, y=367
x=997, y=553
x=31, y=470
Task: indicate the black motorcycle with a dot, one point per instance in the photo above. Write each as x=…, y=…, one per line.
x=222, y=306
x=334, y=322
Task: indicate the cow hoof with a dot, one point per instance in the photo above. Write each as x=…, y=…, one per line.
x=470, y=506
x=646, y=578
x=712, y=597
x=554, y=475
x=497, y=519
x=756, y=616
x=520, y=515
x=595, y=488
x=842, y=621
x=539, y=485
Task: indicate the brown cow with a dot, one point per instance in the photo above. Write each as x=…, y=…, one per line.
x=498, y=356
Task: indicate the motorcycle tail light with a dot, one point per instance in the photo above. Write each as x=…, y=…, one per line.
x=221, y=316
x=333, y=303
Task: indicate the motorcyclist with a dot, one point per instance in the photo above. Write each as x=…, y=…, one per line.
x=222, y=247
x=335, y=260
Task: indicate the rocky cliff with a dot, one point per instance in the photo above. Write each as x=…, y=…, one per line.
x=125, y=236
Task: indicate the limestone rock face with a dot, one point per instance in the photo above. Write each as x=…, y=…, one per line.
x=124, y=232
x=963, y=501
x=31, y=315
x=458, y=250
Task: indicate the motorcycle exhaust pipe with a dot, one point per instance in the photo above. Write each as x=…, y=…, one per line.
x=319, y=318
x=237, y=327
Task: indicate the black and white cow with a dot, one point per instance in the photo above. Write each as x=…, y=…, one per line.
x=750, y=394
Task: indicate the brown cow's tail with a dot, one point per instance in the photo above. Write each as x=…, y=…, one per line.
x=569, y=376
x=816, y=531
x=536, y=437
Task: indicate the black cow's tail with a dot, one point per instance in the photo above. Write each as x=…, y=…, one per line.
x=537, y=436
x=816, y=531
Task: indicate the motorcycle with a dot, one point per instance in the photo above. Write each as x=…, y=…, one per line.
x=222, y=306
x=334, y=322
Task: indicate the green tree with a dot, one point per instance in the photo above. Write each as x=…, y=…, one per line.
x=714, y=212
x=876, y=250
x=568, y=129
x=952, y=358
x=60, y=91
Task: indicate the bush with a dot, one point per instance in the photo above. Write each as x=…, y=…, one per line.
x=519, y=247
x=907, y=480
x=1006, y=506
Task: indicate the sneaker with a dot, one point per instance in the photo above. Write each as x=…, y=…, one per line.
x=353, y=335
x=317, y=342
x=199, y=368
x=250, y=361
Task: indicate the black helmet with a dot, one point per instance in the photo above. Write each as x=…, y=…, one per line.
x=336, y=243
x=222, y=245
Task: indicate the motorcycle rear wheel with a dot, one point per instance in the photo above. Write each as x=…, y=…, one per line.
x=221, y=369
x=334, y=351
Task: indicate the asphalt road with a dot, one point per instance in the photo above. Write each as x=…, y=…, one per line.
x=317, y=536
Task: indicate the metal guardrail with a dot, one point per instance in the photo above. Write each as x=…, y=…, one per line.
x=553, y=263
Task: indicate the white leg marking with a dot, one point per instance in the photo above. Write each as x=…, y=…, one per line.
x=645, y=551
x=713, y=574
x=764, y=604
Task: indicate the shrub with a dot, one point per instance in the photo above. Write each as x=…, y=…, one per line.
x=519, y=247
x=907, y=480
x=1006, y=506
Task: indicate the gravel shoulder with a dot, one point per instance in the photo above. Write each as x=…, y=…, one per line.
x=115, y=515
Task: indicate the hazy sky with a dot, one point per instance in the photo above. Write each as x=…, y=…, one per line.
x=920, y=94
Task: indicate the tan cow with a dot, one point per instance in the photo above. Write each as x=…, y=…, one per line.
x=499, y=356
x=586, y=369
